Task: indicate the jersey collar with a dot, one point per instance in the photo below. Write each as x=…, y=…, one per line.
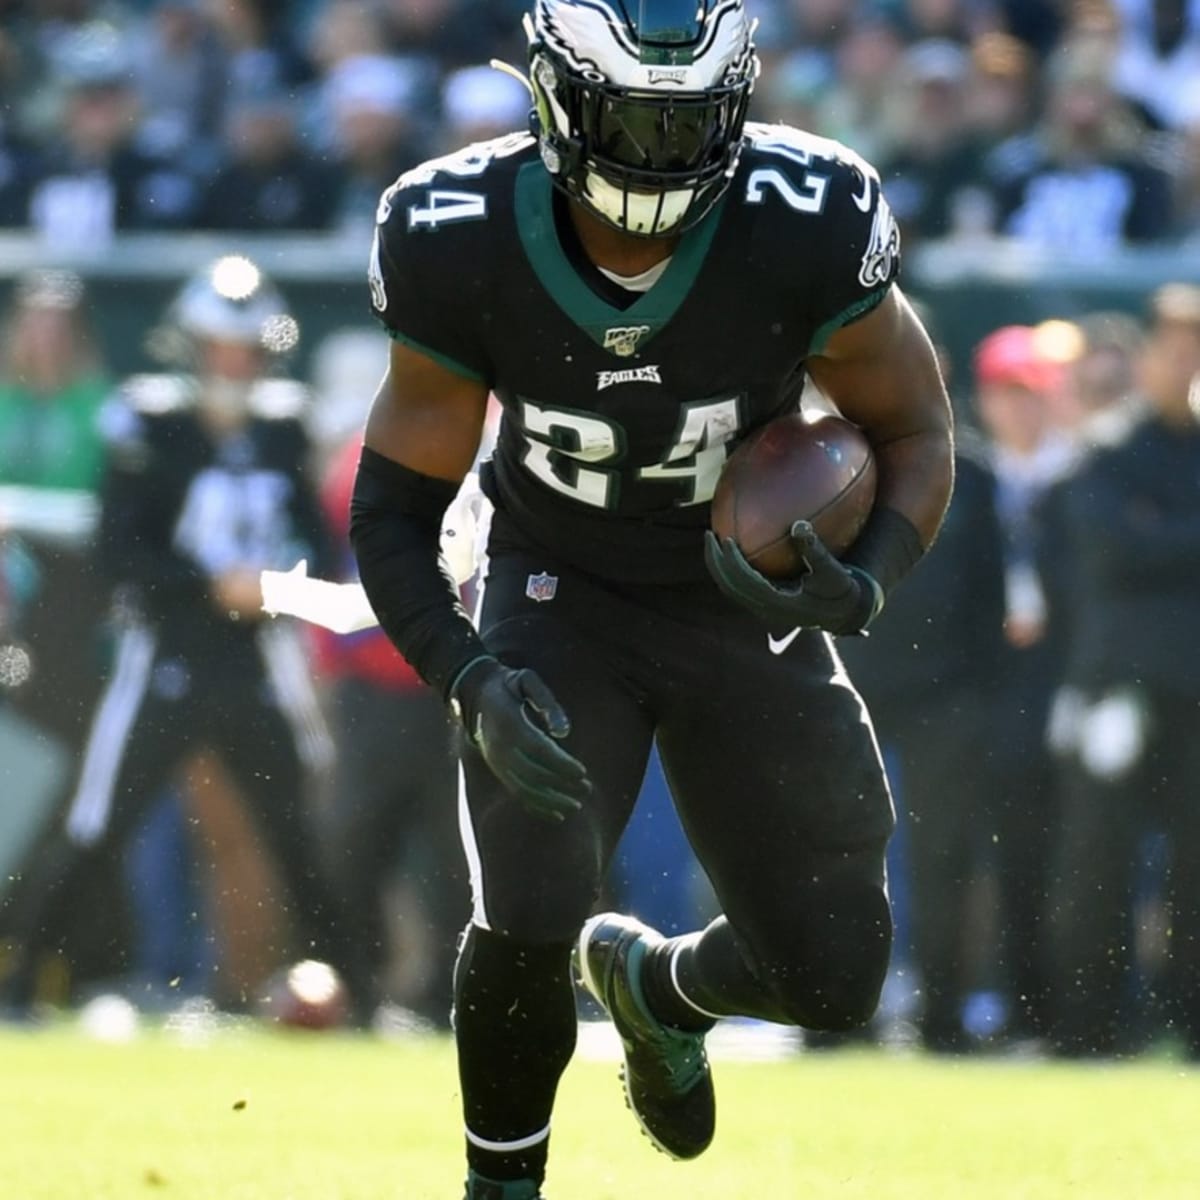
x=621, y=331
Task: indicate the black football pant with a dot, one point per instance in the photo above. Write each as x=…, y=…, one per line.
x=777, y=780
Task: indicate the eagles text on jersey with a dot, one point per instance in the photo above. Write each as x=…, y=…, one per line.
x=620, y=408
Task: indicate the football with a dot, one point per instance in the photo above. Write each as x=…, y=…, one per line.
x=796, y=467
x=305, y=995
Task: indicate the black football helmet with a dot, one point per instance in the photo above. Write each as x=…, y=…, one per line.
x=639, y=104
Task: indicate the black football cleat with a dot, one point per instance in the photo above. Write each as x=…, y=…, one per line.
x=668, y=1084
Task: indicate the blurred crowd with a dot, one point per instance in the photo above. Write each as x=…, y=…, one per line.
x=248, y=791
x=1062, y=123
x=196, y=793
x=1035, y=696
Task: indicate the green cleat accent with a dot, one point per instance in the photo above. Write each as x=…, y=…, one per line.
x=668, y=1084
x=479, y=1188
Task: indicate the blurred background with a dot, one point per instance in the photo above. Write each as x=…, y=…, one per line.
x=187, y=191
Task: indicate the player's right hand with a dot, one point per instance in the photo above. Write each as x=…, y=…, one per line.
x=829, y=595
x=516, y=723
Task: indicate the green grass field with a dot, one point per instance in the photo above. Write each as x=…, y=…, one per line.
x=259, y=1115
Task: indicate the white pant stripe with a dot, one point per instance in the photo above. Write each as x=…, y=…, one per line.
x=466, y=835
x=88, y=814
x=508, y=1147
x=465, y=830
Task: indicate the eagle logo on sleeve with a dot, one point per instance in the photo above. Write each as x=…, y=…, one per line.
x=375, y=277
x=883, y=248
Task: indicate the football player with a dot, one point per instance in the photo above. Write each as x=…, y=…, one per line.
x=206, y=484
x=643, y=281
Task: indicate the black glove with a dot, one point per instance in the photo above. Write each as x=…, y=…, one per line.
x=514, y=720
x=829, y=594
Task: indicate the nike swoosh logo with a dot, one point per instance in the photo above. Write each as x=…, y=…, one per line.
x=779, y=645
x=863, y=202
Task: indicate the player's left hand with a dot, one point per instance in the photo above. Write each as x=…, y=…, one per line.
x=829, y=595
x=518, y=727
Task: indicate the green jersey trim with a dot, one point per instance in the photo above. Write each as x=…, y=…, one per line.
x=858, y=309
x=443, y=360
x=623, y=331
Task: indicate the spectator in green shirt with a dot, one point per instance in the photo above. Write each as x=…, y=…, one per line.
x=52, y=383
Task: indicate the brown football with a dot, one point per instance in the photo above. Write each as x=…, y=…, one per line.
x=796, y=467
x=305, y=995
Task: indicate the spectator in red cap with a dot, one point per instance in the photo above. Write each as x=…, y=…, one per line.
x=1017, y=373
x=1012, y=357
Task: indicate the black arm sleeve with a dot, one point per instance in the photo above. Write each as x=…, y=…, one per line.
x=395, y=526
x=887, y=549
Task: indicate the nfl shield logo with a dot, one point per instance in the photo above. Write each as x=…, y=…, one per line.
x=541, y=587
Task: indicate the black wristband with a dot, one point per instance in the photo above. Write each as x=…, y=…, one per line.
x=395, y=529
x=887, y=549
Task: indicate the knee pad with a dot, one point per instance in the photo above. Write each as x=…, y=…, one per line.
x=833, y=975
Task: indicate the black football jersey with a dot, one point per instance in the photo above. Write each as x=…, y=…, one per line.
x=620, y=408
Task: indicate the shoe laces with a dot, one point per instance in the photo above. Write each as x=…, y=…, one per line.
x=680, y=1055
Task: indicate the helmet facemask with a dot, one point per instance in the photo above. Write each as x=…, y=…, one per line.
x=650, y=152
